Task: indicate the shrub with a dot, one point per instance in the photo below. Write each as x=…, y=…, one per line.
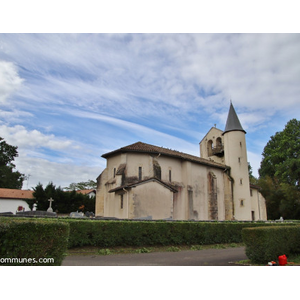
x=110, y=233
x=173, y=249
x=104, y=252
x=32, y=241
x=265, y=244
x=143, y=250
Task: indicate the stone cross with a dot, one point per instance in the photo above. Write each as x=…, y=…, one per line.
x=50, y=205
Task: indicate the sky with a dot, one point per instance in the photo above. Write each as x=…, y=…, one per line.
x=66, y=99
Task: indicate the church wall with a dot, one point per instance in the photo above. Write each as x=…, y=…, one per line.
x=114, y=208
x=262, y=206
x=221, y=194
x=153, y=201
x=179, y=204
x=170, y=164
x=137, y=160
x=101, y=193
x=228, y=198
x=258, y=205
x=199, y=186
x=113, y=164
x=174, y=165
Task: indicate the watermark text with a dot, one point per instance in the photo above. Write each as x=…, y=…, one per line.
x=26, y=260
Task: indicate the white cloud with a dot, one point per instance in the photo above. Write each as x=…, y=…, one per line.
x=61, y=174
x=9, y=80
x=144, y=133
x=20, y=136
x=74, y=164
x=181, y=72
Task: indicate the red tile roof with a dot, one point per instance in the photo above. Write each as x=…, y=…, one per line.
x=146, y=148
x=15, y=194
x=85, y=192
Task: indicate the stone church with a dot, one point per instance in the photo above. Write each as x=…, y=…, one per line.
x=143, y=181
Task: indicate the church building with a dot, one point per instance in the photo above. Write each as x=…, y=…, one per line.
x=143, y=181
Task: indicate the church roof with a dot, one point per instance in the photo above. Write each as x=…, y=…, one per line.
x=140, y=147
x=233, y=122
x=152, y=179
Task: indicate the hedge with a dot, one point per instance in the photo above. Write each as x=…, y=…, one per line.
x=265, y=244
x=32, y=241
x=49, y=238
x=146, y=233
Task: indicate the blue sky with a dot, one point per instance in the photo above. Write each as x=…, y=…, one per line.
x=66, y=99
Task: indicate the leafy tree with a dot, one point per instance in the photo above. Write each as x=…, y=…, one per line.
x=281, y=155
x=252, y=179
x=87, y=185
x=64, y=202
x=8, y=177
x=271, y=190
x=280, y=172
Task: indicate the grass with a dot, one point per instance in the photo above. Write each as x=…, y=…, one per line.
x=93, y=250
x=293, y=260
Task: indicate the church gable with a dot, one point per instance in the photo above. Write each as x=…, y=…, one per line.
x=152, y=199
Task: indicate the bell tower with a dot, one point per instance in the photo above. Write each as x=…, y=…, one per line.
x=235, y=156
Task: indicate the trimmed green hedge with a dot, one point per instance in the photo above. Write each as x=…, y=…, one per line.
x=146, y=233
x=26, y=241
x=265, y=244
x=25, y=238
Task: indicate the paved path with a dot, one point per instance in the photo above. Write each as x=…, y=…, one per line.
x=209, y=257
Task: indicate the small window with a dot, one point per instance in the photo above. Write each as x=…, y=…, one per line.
x=242, y=202
x=140, y=173
x=241, y=144
x=170, y=175
x=251, y=192
x=121, y=202
x=210, y=147
x=241, y=181
x=114, y=172
x=239, y=160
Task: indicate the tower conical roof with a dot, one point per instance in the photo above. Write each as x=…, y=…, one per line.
x=233, y=122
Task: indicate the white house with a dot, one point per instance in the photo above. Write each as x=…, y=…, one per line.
x=13, y=200
x=90, y=192
x=147, y=181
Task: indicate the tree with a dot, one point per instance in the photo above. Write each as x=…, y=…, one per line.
x=64, y=202
x=8, y=177
x=281, y=155
x=280, y=172
x=252, y=179
x=87, y=185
